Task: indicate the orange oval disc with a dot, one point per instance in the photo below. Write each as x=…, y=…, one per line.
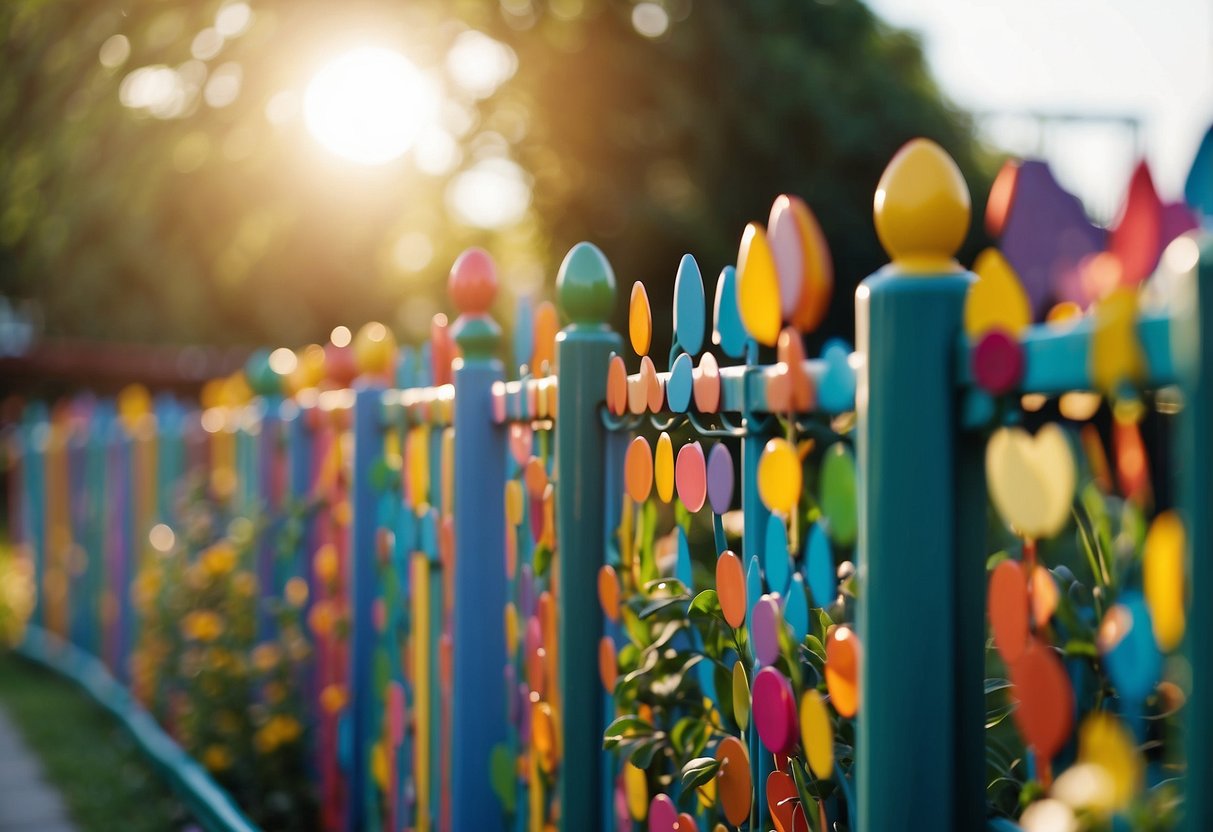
x=638, y=469
x=1007, y=602
x=733, y=784
x=1045, y=715
x=842, y=670
x=608, y=591
x=730, y=588
x=617, y=386
x=608, y=667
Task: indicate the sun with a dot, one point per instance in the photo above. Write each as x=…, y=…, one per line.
x=369, y=105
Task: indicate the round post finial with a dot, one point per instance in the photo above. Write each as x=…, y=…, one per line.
x=922, y=209
x=585, y=285
x=472, y=286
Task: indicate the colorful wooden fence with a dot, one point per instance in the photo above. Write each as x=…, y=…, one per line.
x=727, y=593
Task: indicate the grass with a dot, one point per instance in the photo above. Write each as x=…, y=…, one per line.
x=105, y=780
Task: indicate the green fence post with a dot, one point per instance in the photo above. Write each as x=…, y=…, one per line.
x=908, y=320
x=585, y=288
x=1193, y=454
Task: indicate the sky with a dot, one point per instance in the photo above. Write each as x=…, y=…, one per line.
x=1147, y=59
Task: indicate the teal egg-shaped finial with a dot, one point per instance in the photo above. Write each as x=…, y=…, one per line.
x=585, y=285
x=689, y=305
x=260, y=375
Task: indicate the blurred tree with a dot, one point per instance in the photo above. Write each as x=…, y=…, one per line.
x=160, y=183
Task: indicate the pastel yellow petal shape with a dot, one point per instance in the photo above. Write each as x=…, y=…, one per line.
x=1116, y=353
x=758, y=286
x=996, y=299
x=1031, y=479
x=1105, y=742
x=1163, y=579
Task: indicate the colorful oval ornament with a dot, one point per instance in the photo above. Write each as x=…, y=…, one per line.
x=689, y=305
x=758, y=286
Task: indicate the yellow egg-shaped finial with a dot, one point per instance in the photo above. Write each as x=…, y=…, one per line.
x=922, y=209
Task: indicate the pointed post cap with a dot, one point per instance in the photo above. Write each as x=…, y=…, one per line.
x=585, y=285
x=922, y=209
x=472, y=286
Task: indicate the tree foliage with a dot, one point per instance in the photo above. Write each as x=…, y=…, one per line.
x=223, y=224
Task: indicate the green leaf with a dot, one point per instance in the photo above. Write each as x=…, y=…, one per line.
x=636, y=629
x=654, y=607
x=625, y=728
x=993, y=685
x=543, y=559
x=698, y=772
x=706, y=603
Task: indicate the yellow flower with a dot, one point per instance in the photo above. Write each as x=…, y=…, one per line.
x=264, y=740
x=286, y=728
x=216, y=758
x=147, y=587
x=202, y=625
x=266, y=657
x=296, y=592
x=219, y=559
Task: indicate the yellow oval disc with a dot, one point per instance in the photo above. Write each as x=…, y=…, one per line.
x=741, y=696
x=758, y=286
x=817, y=734
x=1163, y=579
x=513, y=502
x=640, y=319
x=663, y=467
x=637, y=791
x=779, y=476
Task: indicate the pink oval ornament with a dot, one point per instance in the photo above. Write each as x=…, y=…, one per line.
x=690, y=476
x=774, y=711
x=998, y=362
x=663, y=814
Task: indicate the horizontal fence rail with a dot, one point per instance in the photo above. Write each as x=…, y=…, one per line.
x=580, y=589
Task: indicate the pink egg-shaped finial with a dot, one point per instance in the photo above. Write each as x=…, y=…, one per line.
x=473, y=282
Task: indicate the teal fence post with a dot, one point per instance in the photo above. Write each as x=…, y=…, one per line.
x=585, y=290
x=908, y=319
x=478, y=714
x=368, y=447
x=1193, y=454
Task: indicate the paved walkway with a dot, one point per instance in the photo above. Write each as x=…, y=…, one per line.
x=28, y=803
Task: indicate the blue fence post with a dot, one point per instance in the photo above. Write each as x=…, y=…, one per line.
x=478, y=715
x=368, y=446
x=908, y=320
x=1193, y=454
x=33, y=469
x=585, y=290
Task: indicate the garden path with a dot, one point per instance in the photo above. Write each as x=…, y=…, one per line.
x=28, y=803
